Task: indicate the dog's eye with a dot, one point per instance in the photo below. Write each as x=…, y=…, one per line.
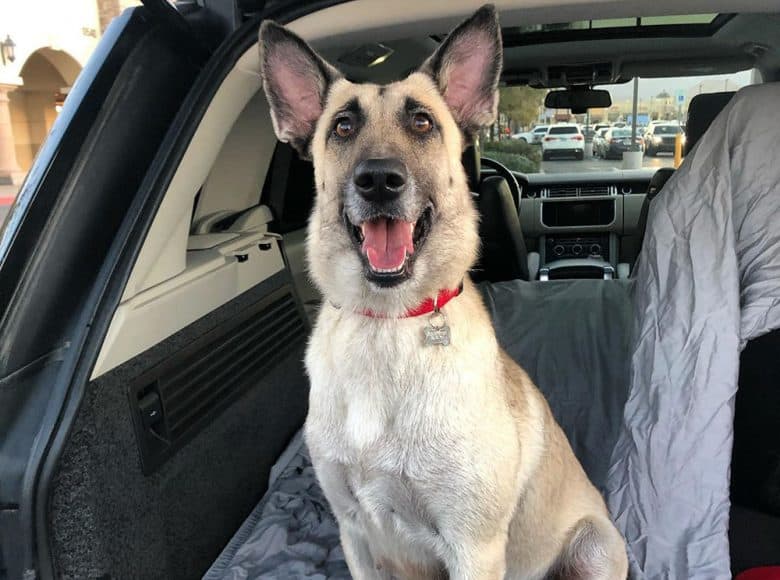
x=344, y=127
x=421, y=123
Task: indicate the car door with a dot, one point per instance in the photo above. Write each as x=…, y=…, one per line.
x=70, y=241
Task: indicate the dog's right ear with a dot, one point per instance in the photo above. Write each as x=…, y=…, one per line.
x=296, y=82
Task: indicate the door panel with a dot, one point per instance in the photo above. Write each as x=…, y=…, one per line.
x=158, y=499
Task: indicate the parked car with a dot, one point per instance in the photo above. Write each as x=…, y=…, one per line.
x=533, y=136
x=564, y=140
x=660, y=138
x=616, y=141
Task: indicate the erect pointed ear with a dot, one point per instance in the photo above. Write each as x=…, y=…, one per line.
x=296, y=82
x=467, y=68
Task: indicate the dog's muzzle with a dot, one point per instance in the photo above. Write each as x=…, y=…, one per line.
x=379, y=222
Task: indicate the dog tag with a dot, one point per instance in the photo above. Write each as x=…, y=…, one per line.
x=437, y=331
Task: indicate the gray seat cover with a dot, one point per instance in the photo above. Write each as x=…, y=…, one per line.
x=707, y=281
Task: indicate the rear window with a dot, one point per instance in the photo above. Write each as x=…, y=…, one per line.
x=563, y=130
x=621, y=132
x=667, y=129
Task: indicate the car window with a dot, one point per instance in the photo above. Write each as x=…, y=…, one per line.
x=563, y=130
x=540, y=130
x=621, y=133
x=667, y=129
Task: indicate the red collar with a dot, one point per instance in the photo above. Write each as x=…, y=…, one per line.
x=425, y=307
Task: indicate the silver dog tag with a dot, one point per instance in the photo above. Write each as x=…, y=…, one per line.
x=437, y=331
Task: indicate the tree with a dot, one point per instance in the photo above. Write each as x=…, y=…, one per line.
x=520, y=104
x=663, y=95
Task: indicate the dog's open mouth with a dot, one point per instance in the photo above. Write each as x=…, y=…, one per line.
x=388, y=245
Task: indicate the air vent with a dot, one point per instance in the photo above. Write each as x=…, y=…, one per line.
x=598, y=189
x=560, y=191
x=179, y=397
x=591, y=190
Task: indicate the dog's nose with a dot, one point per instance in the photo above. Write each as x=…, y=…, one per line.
x=380, y=179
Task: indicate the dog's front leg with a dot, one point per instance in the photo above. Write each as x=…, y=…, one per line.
x=480, y=560
x=359, y=559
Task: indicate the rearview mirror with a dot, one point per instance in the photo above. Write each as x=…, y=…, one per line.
x=578, y=100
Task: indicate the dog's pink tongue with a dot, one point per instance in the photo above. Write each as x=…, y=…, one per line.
x=386, y=242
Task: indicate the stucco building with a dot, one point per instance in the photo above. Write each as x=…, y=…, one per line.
x=44, y=44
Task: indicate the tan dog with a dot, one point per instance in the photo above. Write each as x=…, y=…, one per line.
x=438, y=455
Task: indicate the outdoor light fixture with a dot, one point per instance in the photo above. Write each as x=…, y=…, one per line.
x=7, y=51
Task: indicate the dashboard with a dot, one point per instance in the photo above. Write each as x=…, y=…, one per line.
x=579, y=220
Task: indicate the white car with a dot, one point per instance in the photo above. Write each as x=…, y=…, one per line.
x=564, y=140
x=533, y=136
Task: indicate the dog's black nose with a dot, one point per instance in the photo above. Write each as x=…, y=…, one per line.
x=380, y=179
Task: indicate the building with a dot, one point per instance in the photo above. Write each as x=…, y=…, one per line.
x=44, y=44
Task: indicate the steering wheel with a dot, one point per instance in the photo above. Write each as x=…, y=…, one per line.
x=511, y=178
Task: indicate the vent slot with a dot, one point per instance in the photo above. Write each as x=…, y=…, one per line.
x=194, y=385
x=583, y=190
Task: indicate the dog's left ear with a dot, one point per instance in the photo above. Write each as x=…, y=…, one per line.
x=467, y=67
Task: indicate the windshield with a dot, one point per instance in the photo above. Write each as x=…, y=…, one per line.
x=666, y=129
x=521, y=108
x=563, y=130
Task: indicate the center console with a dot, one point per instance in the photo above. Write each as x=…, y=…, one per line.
x=584, y=224
x=580, y=237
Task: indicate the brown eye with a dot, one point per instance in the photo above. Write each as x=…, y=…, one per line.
x=344, y=127
x=421, y=123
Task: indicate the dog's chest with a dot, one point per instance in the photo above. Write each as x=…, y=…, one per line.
x=391, y=425
x=372, y=381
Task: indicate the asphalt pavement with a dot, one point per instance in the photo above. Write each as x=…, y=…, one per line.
x=594, y=164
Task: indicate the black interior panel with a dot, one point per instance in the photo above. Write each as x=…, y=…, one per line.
x=590, y=212
x=109, y=519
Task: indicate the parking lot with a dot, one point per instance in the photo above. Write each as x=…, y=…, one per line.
x=592, y=164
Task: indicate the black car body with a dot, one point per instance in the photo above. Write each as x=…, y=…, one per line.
x=617, y=141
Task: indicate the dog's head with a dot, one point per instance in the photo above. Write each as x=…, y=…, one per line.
x=394, y=221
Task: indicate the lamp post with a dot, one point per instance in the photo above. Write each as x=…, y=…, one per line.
x=8, y=50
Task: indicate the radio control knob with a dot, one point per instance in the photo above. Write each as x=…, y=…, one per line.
x=576, y=249
x=558, y=250
x=595, y=249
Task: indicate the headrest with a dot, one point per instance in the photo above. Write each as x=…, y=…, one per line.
x=471, y=163
x=658, y=180
x=702, y=111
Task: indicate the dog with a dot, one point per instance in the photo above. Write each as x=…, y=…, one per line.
x=437, y=454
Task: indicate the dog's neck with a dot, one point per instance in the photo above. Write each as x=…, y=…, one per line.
x=427, y=306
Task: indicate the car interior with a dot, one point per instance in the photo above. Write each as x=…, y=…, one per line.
x=198, y=384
